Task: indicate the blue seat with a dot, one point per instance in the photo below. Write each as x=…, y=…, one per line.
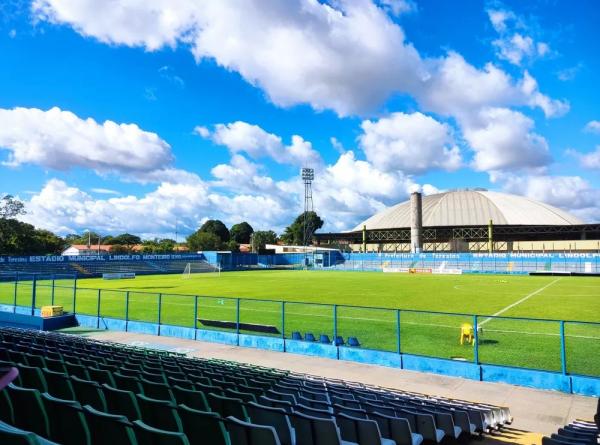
x=309, y=337
x=339, y=341
x=324, y=338
x=353, y=341
x=296, y=335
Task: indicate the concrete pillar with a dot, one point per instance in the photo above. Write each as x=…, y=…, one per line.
x=416, y=223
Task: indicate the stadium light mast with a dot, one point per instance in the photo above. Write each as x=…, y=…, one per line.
x=308, y=175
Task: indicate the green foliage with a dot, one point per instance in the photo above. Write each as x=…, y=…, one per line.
x=19, y=238
x=119, y=248
x=200, y=240
x=294, y=233
x=261, y=238
x=11, y=207
x=127, y=239
x=84, y=238
x=217, y=228
x=158, y=245
x=241, y=232
x=232, y=246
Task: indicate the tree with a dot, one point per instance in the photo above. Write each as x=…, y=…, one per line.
x=127, y=239
x=294, y=233
x=119, y=248
x=241, y=233
x=232, y=246
x=11, y=207
x=19, y=238
x=84, y=238
x=217, y=228
x=203, y=241
x=262, y=238
x=46, y=242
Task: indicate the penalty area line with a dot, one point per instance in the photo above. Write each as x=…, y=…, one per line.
x=516, y=303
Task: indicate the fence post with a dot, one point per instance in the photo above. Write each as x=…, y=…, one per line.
x=335, y=324
x=159, y=310
x=15, y=294
x=52, y=291
x=98, y=310
x=74, y=295
x=126, y=310
x=33, y=291
x=283, y=324
x=563, y=350
x=398, y=349
x=237, y=320
x=195, y=317
x=475, y=340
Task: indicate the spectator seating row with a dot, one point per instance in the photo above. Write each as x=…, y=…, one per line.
x=324, y=339
x=77, y=391
x=579, y=432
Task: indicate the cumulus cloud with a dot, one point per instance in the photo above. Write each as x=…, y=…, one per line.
x=242, y=137
x=512, y=44
x=413, y=143
x=589, y=160
x=502, y=139
x=61, y=140
x=399, y=7
x=592, y=127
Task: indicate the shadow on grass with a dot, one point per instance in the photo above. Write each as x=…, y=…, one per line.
x=484, y=341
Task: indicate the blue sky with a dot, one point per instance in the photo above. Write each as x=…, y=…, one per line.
x=137, y=117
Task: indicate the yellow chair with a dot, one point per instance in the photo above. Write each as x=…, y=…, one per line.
x=466, y=333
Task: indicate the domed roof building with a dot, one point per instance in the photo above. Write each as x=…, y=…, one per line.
x=472, y=208
x=469, y=220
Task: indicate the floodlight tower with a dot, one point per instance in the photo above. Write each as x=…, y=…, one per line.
x=308, y=175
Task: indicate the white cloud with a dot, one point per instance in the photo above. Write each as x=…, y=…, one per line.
x=412, y=143
x=306, y=52
x=61, y=140
x=570, y=193
x=592, y=127
x=569, y=73
x=103, y=191
x=168, y=73
x=241, y=137
x=399, y=7
x=513, y=45
x=503, y=139
x=589, y=160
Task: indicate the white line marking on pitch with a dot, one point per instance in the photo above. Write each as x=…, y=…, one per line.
x=525, y=298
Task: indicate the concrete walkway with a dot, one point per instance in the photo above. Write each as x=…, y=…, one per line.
x=536, y=412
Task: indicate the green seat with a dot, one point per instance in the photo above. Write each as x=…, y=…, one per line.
x=35, y=360
x=88, y=393
x=227, y=406
x=6, y=408
x=101, y=376
x=109, y=428
x=193, y=399
x=158, y=391
x=127, y=383
x=182, y=383
x=29, y=410
x=203, y=427
x=32, y=378
x=122, y=402
x=76, y=370
x=245, y=396
x=67, y=422
x=148, y=435
x=157, y=377
x=10, y=435
x=160, y=414
x=55, y=365
x=59, y=384
x=245, y=433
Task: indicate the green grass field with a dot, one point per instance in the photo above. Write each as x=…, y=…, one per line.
x=504, y=341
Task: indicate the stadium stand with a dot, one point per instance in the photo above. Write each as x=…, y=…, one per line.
x=73, y=390
x=579, y=432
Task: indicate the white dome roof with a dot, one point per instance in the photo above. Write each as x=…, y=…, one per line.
x=472, y=208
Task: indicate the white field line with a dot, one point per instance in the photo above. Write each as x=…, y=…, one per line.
x=516, y=303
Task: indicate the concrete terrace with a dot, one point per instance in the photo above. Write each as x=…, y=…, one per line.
x=536, y=412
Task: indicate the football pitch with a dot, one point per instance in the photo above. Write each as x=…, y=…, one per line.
x=310, y=296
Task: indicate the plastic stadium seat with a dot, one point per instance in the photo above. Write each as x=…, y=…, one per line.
x=32, y=378
x=324, y=338
x=101, y=376
x=445, y=422
x=309, y=337
x=245, y=433
x=275, y=417
x=296, y=335
x=67, y=422
x=314, y=412
x=339, y=341
x=353, y=341
x=59, y=384
x=227, y=406
x=396, y=429
x=203, y=427
x=29, y=411
x=283, y=404
x=314, y=431
x=9, y=435
x=6, y=408
x=279, y=395
x=148, y=435
x=189, y=397
x=155, y=390
x=76, y=370
x=244, y=396
x=121, y=402
x=88, y=392
x=354, y=412
x=361, y=431
x=160, y=414
x=55, y=365
x=127, y=383
x=109, y=428
x=182, y=383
